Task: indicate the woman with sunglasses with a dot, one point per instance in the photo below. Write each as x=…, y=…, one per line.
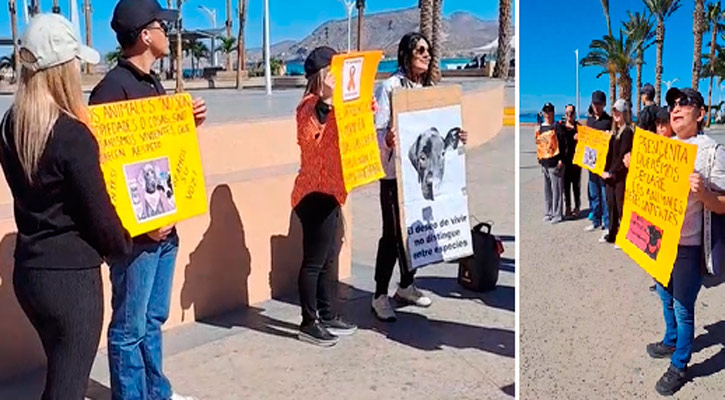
x=66, y=223
x=414, y=71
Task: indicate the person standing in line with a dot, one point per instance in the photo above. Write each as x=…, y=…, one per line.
x=663, y=123
x=414, y=71
x=141, y=284
x=551, y=151
x=599, y=213
x=572, y=174
x=66, y=223
x=615, y=170
x=647, y=117
x=680, y=294
x=319, y=192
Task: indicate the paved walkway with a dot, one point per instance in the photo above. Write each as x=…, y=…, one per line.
x=462, y=347
x=587, y=314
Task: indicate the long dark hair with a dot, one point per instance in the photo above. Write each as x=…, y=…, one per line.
x=407, y=46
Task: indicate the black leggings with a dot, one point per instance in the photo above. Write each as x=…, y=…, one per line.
x=390, y=246
x=572, y=183
x=320, y=218
x=615, y=202
x=66, y=308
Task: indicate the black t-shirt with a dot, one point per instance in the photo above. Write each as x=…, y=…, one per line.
x=647, y=118
x=126, y=82
x=619, y=146
x=65, y=218
x=603, y=123
x=561, y=140
x=568, y=134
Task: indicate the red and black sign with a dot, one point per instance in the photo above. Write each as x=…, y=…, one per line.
x=645, y=235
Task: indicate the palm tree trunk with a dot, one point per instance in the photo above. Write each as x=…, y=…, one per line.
x=241, y=50
x=229, y=33
x=89, y=33
x=605, y=7
x=698, y=28
x=12, y=7
x=179, y=52
x=56, y=7
x=713, y=43
x=612, y=88
x=437, y=40
x=426, y=18
x=170, y=73
x=658, y=68
x=501, y=70
x=625, y=87
x=640, y=61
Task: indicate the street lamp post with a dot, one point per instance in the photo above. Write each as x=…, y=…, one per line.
x=212, y=17
x=349, y=6
x=576, y=52
x=670, y=83
x=267, y=66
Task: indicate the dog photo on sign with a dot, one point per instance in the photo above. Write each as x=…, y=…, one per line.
x=428, y=157
x=150, y=188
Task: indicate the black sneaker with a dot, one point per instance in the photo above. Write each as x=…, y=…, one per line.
x=653, y=288
x=316, y=334
x=338, y=327
x=672, y=381
x=659, y=350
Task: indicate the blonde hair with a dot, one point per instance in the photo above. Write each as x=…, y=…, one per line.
x=41, y=98
x=316, y=82
x=627, y=116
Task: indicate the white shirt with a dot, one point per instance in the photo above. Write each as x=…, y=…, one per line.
x=692, y=225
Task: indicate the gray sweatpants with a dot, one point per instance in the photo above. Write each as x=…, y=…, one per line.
x=554, y=192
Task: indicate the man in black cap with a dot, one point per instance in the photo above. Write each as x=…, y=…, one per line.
x=141, y=285
x=599, y=211
x=687, y=115
x=550, y=150
x=647, y=117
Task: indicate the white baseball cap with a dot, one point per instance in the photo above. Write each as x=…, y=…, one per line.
x=49, y=41
x=620, y=105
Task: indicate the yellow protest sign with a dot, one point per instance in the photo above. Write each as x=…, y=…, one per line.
x=150, y=160
x=352, y=101
x=655, y=199
x=547, y=144
x=591, y=149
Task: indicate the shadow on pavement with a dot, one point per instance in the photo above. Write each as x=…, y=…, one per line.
x=508, y=265
x=254, y=319
x=509, y=390
x=97, y=391
x=715, y=336
x=503, y=297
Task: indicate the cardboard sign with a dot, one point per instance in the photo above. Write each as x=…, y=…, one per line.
x=655, y=199
x=591, y=149
x=150, y=160
x=352, y=100
x=547, y=144
x=431, y=171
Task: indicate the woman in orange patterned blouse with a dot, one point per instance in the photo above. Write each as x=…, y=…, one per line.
x=317, y=196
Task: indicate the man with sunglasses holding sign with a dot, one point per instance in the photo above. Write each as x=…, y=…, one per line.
x=141, y=284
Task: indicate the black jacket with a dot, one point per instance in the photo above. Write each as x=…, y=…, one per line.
x=647, y=118
x=561, y=139
x=570, y=142
x=604, y=123
x=65, y=218
x=618, y=147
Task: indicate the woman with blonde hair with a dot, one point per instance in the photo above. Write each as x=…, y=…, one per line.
x=66, y=223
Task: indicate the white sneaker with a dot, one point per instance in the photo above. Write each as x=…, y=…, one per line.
x=591, y=228
x=617, y=247
x=412, y=295
x=176, y=396
x=382, y=309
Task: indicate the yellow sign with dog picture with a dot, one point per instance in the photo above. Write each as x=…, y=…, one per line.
x=591, y=149
x=655, y=199
x=150, y=160
x=355, y=79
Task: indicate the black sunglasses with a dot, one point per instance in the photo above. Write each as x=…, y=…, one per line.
x=421, y=50
x=163, y=26
x=684, y=102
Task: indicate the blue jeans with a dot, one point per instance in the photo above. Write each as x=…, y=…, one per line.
x=599, y=213
x=140, y=300
x=678, y=303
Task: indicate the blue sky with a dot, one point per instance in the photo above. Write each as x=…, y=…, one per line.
x=287, y=22
x=550, y=31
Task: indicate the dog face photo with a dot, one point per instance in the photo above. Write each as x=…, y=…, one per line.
x=427, y=155
x=151, y=189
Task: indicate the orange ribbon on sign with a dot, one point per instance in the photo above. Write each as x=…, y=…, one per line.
x=547, y=145
x=351, y=83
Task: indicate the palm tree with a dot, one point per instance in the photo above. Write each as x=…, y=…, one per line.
x=426, y=18
x=698, y=28
x=640, y=29
x=501, y=70
x=714, y=20
x=614, y=56
x=112, y=57
x=8, y=62
x=197, y=51
x=605, y=7
x=612, y=76
x=228, y=46
x=88, y=11
x=662, y=10
x=437, y=40
x=241, y=50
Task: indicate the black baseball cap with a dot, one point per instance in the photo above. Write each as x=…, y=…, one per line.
x=318, y=59
x=130, y=16
x=598, y=97
x=692, y=94
x=548, y=107
x=649, y=90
